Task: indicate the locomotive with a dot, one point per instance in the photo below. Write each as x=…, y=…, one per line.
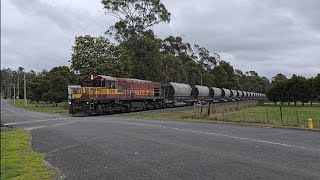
x=106, y=94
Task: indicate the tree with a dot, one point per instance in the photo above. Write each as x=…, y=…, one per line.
x=251, y=81
x=231, y=78
x=135, y=17
x=316, y=86
x=221, y=77
x=288, y=91
x=279, y=77
x=179, y=62
x=37, y=87
x=176, y=46
x=276, y=91
x=313, y=93
x=96, y=55
x=273, y=93
x=208, y=79
x=20, y=81
x=6, y=81
x=203, y=57
x=58, y=79
x=146, y=58
x=303, y=90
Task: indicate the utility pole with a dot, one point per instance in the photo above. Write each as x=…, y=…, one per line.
x=25, y=89
x=14, y=93
x=18, y=86
x=10, y=92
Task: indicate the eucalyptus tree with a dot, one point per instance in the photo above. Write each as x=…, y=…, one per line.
x=316, y=86
x=97, y=55
x=133, y=31
x=135, y=17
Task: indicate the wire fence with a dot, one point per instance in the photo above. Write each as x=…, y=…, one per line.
x=43, y=104
x=251, y=112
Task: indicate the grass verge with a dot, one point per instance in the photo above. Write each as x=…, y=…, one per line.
x=296, y=117
x=18, y=161
x=291, y=116
x=45, y=108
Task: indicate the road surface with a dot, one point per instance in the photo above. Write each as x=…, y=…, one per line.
x=105, y=147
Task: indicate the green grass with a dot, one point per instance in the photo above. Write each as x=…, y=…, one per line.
x=291, y=116
x=18, y=161
x=256, y=115
x=45, y=108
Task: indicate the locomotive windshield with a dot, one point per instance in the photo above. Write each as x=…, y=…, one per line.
x=98, y=83
x=77, y=90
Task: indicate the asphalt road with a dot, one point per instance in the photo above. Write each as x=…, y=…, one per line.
x=122, y=148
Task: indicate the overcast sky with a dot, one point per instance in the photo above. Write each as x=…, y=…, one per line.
x=270, y=36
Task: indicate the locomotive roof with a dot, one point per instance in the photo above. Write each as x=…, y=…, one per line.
x=137, y=80
x=108, y=78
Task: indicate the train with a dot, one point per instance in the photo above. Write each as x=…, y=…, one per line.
x=101, y=94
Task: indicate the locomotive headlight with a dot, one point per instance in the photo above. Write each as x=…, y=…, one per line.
x=69, y=102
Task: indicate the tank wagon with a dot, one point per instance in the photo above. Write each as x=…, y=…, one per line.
x=216, y=94
x=106, y=94
x=201, y=93
x=226, y=94
x=176, y=92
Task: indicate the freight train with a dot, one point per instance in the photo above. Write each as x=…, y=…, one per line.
x=106, y=95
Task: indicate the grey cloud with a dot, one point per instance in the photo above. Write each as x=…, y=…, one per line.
x=38, y=35
x=266, y=36
x=255, y=35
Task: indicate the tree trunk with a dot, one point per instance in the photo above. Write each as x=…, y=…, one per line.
x=302, y=104
x=311, y=103
x=295, y=103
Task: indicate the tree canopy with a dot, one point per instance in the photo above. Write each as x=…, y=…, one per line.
x=135, y=17
x=297, y=88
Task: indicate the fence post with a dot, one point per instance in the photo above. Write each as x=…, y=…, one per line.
x=223, y=112
x=201, y=108
x=209, y=108
x=267, y=114
x=281, y=115
x=297, y=117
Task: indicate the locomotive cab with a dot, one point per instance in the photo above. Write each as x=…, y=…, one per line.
x=75, y=92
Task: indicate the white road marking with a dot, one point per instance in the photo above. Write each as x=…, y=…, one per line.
x=63, y=123
x=217, y=134
x=26, y=122
x=12, y=110
x=23, y=113
x=32, y=128
x=38, y=127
